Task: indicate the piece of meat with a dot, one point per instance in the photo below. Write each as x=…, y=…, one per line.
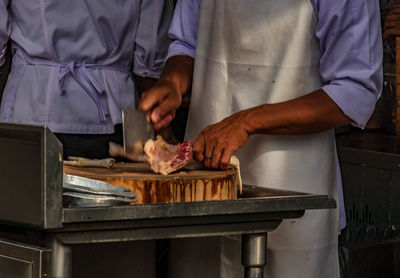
x=86, y=162
x=165, y=158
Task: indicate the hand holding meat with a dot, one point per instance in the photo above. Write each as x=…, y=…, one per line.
x=217, y=143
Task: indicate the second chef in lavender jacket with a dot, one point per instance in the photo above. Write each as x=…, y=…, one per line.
x=73, y=64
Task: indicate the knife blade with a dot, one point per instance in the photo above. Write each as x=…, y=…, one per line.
x=95, y=187
x=136, y=130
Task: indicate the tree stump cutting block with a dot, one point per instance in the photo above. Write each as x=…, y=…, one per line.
x=186, y=185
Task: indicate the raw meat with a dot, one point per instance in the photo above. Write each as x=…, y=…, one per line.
x=165, y=158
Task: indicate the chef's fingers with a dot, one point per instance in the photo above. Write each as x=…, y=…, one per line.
x=164, y=122
x=226, y=158
x=155, y=97
x=216, y=156
x=198, y=148
x=151, y=98
x=167, y=106
x=208, y=151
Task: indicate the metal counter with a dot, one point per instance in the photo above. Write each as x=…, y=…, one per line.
x=31, y=211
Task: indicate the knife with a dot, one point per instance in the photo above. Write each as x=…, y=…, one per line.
x=136, y=130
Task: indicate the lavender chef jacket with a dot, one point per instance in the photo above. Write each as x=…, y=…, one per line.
x=73, y=61
x=349, y=33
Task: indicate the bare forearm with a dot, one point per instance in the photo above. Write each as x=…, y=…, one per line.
x=312, y=113
x=315, y=112
x=179, y=71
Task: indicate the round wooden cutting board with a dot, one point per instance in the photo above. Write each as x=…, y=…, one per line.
x=187, y=185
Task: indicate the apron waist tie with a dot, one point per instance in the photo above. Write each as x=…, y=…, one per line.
x=82, y=76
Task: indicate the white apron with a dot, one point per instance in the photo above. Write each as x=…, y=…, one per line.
x=250, y=53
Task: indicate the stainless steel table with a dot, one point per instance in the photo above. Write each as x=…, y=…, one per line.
x=42, y=231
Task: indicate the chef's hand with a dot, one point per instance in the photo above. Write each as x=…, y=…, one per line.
x=161, y=102
x=164, y=98
x=217, y=143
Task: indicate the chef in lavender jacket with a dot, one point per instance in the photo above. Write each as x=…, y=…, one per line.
x=73, y=64
x=271, y=80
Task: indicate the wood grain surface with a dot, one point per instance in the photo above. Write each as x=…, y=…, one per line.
x=191, y=184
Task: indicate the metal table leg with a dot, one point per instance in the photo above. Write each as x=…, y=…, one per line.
x=61, y=258
x=254, y=254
